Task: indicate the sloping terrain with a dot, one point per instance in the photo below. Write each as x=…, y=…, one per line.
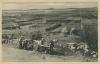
x=14, y=55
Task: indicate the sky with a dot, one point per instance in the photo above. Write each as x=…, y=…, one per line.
x=44, y=5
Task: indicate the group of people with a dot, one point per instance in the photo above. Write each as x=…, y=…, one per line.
x=26, y=44
x=6, y=39
x=84, y=50
x=38, y=45
x=43, y=46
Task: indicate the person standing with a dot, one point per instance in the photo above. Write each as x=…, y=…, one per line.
x=21, y=42
x=51, y=46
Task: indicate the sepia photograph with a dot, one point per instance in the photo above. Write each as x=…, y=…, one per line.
x=50, y=32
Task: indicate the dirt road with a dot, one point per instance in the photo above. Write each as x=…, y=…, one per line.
x=13, y=54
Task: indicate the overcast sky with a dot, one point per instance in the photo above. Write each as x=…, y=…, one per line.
x=24, y=6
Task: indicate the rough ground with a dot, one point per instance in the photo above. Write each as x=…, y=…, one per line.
x=13, y=54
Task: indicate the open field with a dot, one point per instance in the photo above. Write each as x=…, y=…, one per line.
x=50, y=23
x=13, y=54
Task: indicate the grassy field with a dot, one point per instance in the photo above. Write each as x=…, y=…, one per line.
x=34, y=56
x=31, y=21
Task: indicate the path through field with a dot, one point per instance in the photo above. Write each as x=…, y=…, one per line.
x=13, y=54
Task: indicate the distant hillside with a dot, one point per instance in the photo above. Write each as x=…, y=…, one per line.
x=37, y=15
